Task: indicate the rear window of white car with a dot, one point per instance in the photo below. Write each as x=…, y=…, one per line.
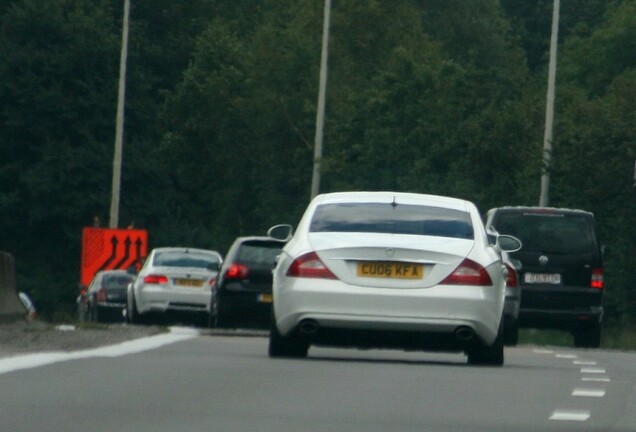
x=392, y=219
x=184, y=259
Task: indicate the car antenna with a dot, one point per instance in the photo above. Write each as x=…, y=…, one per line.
x=394, y=204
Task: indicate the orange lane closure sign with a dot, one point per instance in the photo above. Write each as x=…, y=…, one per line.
x=107, y=248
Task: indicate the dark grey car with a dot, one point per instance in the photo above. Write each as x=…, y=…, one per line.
x=561, y=271
x=242, y=292
x=105, y=297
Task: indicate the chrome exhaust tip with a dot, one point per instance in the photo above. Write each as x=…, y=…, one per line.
x=308, y=327
x=464, y=333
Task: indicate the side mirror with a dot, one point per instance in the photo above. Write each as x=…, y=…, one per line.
x=281, y=232
x=508, y=243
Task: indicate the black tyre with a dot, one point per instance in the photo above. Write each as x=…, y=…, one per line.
x=589, y=336
x=96, y=316
x=132, y=315
x=286, y=346
x=511, y=333
x=222, y=317
x=492, y=355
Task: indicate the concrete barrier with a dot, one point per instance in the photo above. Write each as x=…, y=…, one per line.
x=11, y=308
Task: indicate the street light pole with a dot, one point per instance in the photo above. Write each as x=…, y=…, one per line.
x=119, y=127
x=320, y=114
x=544, y=198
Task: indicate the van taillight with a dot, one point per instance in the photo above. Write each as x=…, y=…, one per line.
x=597, y=278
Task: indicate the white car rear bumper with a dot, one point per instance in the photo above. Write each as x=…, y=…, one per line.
x=440, y=309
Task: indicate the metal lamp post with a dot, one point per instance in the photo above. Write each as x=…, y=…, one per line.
x=544, y=198
x=119, y=128
x=320, y=115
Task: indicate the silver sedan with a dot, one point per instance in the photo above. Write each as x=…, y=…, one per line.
x=173, y=279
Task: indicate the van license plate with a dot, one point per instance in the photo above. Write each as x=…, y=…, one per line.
x=542, y=278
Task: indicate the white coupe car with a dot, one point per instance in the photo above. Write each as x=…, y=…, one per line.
x=173, y=279
x=390, y=270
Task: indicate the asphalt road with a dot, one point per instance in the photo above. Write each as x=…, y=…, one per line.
x=220, y=383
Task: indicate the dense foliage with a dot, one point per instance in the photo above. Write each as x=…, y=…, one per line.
x=444, y=97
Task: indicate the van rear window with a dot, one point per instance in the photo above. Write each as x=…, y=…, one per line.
x=392, y=219
x=560, y=233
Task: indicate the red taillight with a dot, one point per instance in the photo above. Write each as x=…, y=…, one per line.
x=309, y=266
x=597, y=278
x=100, y=296
x=237, y=271
x=511, y=277
x=155, y=279
x=468, y=273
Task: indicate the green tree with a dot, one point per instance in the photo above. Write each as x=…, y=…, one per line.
x=56, y=107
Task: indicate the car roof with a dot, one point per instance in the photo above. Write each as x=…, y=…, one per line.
x=113, y=271
x=540, y=209
x=183, y=249
x=388, y=197
x=257, y=238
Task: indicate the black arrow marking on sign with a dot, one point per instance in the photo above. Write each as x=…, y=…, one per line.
x=122, y=261
x=138, y=244
x=113, y=253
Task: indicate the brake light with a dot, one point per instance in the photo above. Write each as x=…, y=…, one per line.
x=468, y=273
x=597, y=278
x=100, y=296
x=237, y=271
x=511, y=277
x=309, y=266
x=155, y=279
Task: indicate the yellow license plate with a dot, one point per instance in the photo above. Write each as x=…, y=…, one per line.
x=393, y=270
x=194, y=283
x=265, y=298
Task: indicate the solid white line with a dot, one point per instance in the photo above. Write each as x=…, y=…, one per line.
x=29, y=361
x=593, y=370
x=542, y=351
x=562, y=415
x=588, y=392
x=596, y=379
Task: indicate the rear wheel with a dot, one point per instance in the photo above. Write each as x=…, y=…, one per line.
x=492, y=355
x=589, y=336
x=286, y=346
x=222, y=318
x=95, y=316
x=511, y=332
x=132, y=315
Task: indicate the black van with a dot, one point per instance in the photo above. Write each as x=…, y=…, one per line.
x=561, y=272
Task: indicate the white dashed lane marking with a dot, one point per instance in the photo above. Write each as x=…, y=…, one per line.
x=596, y=379
x=586, y=392
x=566, y=356
x=584, y=362
x=589, y=373
x=588, y=370
x=562, y=415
